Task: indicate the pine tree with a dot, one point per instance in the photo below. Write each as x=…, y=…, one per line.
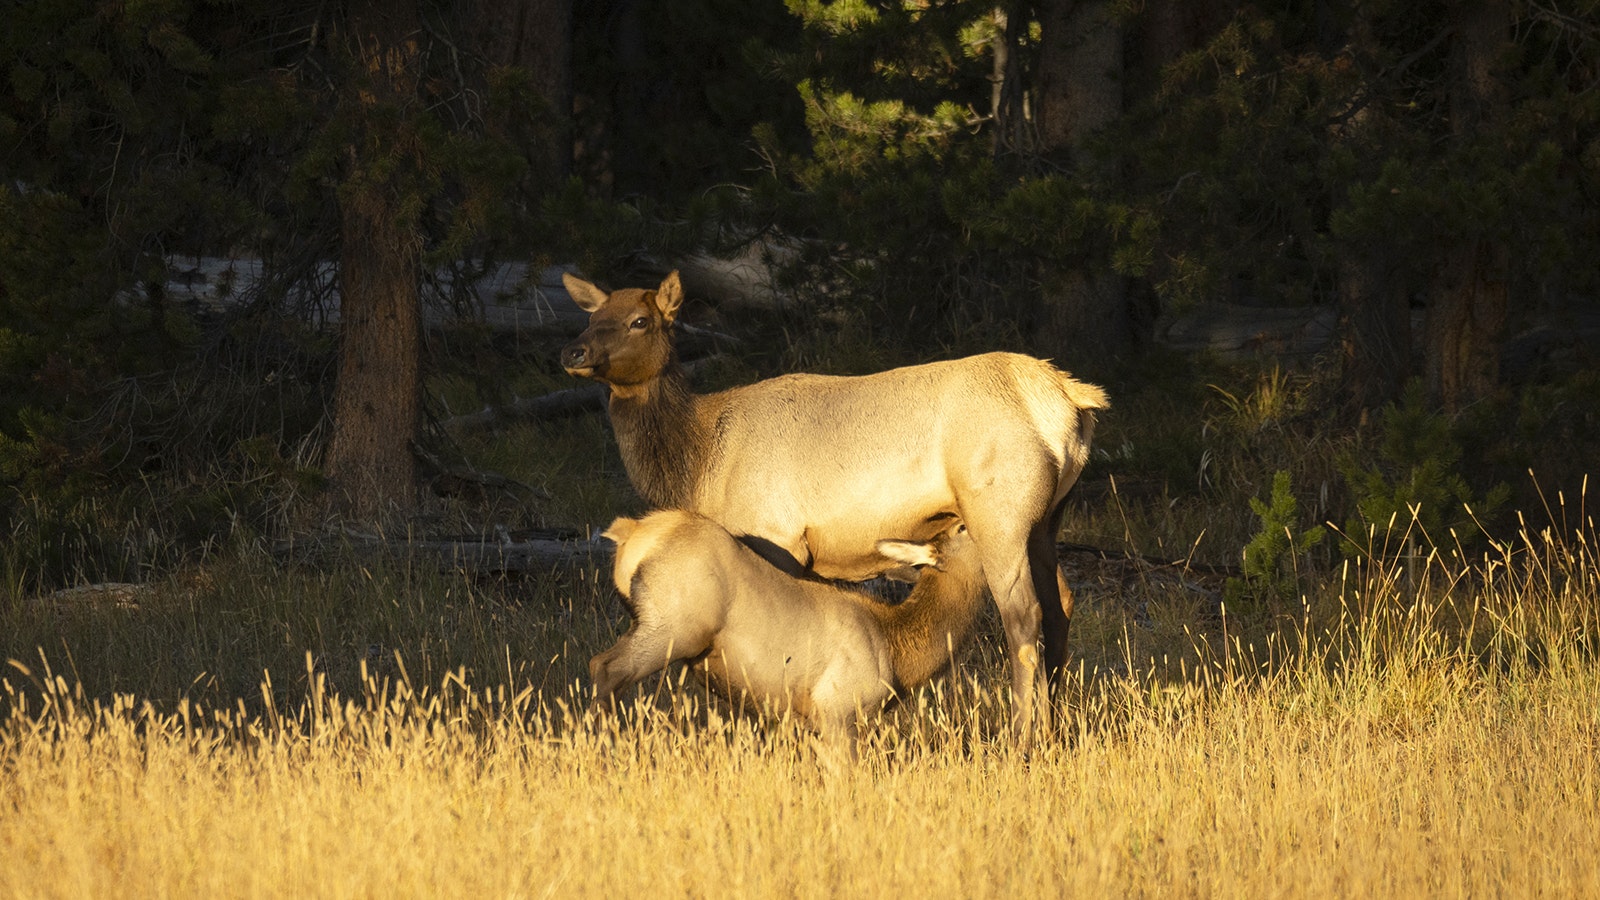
x=107, y=167
x=137, y=131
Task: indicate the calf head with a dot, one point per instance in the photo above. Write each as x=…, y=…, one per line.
x=628, y=342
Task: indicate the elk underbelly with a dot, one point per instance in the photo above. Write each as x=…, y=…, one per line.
x=849, y=551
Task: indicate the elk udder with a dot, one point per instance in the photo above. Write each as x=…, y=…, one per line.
x=780, y=641
x=820, y=468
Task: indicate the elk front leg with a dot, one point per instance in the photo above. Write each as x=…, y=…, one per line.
x=838, y=740
x=639, y=653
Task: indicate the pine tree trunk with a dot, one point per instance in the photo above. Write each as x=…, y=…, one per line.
x=377, y=409
x=1080, y=74
x=1466, y=323
x=535, y=35
x=1375, y=334
x=1467, y=303
x=1079, y=93
x=1008, y=101
x=1000, y=80
x=1374, y=328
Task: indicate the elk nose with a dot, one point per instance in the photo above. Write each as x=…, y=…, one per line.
x=574, y=356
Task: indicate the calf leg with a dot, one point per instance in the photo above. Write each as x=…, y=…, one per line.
x=839, y=738
x=642, y=651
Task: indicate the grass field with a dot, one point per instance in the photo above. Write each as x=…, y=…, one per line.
x=1431, y=731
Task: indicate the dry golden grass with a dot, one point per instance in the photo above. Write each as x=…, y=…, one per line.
x=1432, y=781
x=1436, y=739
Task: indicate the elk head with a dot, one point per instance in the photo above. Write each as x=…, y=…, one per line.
x=628, y=342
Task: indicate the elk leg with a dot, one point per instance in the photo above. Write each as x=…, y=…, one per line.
x=1013, y=522
x=1029, y=691
x=639, y=653
x=1006, y=568
x=1055, y=598
x=839, y=738
x=1066, y=611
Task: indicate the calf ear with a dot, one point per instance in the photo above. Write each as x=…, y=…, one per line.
x=909, y=553
x=669, y=296
x=620, y=530
x=904, y=574
x=588, y=297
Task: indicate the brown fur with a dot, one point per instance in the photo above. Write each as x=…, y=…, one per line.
x=783, y=642
x=819, y=468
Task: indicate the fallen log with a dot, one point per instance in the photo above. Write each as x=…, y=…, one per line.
x=1232, y=331
x=536, y=554
x=509, y=297
x=501, y=554
x=744, y=281
x=106, y=595
x=1088, y=569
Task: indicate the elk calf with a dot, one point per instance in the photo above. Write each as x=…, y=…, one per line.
x=760, y=634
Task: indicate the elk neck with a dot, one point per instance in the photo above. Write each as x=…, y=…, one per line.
x=663, y=440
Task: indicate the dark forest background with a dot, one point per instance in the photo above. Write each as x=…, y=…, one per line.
x=913, y=180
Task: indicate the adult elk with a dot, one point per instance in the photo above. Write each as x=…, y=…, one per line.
x=782, y=641
x=819, y=468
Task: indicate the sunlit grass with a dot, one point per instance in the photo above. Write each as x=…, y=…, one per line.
x=1431, y=730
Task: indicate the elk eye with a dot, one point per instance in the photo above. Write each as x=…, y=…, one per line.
x=640, y=323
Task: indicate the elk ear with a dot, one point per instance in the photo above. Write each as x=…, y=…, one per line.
x=588, y=297
x=909, y=553
x=669, y=296
x=620, y=530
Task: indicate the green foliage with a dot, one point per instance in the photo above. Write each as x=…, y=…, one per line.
x=1224, y=179
x=922, y=238
x=1275, y=559
x=1245, y=170
x=137, y=132
x=669, y=93
x=1547, y=429
x=110, y=166
x=1412, y=481
x=1293, y=136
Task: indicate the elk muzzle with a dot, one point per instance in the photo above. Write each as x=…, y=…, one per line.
x=578, y=358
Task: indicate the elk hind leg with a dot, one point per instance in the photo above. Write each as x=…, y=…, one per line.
x=1052, y=592
x=1007, y=568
